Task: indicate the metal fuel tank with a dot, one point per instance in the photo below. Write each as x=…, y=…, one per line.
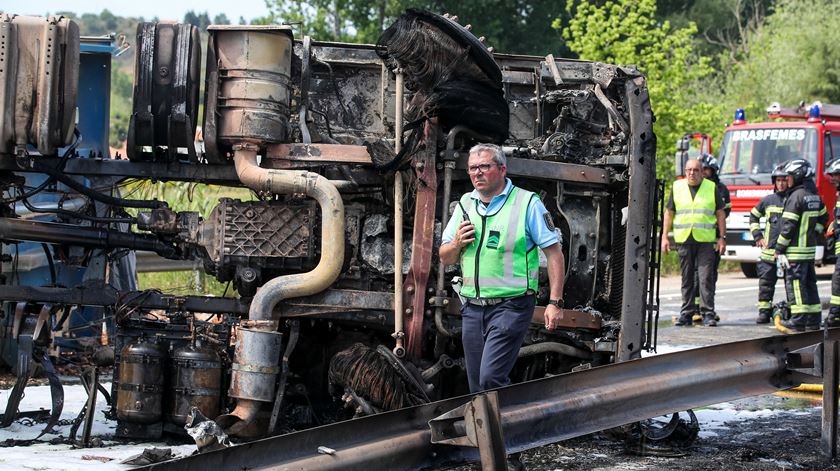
x=195, y=380
x=140, y=397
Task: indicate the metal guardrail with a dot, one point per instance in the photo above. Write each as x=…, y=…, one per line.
x=549, y=410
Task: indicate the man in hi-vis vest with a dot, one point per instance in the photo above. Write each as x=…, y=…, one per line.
x=696, y=209
x=494, y=234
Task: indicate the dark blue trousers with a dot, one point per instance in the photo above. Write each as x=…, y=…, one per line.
x=492, y=336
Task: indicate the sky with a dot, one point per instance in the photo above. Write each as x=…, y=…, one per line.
x=163, y=9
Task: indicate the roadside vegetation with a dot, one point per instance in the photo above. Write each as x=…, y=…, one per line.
x=703, y=58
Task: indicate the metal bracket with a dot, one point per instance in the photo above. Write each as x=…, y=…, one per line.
x=43, y=320
x=805, y=364
x=477, y=423
x=439, y=301
x=17, y=323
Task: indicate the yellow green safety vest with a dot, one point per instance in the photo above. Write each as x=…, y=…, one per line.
x=498, y=264
x=695, y=216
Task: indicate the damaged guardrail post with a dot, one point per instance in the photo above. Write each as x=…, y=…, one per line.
x=477, y=424
x=831, y=355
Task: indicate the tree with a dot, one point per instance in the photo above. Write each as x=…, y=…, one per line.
x=791, y=57
x=191, y=18
x=201, y=20
x=321, y=19
x=509, y=26
x=121, y=94
x=722, y=25
x=109, y=20
x=628, y=32
x=221, y=19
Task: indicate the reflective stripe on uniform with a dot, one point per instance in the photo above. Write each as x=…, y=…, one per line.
x=797, y=293
x=801, y=253
x=835, y=300
x=510, y=243
x=805, y=308
x=500, y=282
x=696, y=226
x=771, y=210
x=696, y=211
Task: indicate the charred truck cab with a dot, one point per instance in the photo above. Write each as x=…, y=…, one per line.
x=355, y=154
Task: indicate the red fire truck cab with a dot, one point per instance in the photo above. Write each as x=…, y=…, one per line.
x=750, y=151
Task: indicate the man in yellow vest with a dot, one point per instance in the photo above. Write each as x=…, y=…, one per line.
x=494, y=235
x=696, y=209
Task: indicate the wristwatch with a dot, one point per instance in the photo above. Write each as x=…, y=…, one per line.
x=556, y=302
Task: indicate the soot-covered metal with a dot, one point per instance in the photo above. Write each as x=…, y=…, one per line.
x=319, y=329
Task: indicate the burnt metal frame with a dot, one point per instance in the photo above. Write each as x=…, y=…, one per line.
x=345, y=300
x=652, y=327
x=171, y=171
x=617, y=394
x=639, y=207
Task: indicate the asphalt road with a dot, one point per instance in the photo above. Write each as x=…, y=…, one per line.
x=735, y=303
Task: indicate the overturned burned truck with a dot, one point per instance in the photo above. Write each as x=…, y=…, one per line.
x=355, y=154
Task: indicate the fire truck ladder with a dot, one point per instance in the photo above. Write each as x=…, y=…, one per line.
x=486, y=426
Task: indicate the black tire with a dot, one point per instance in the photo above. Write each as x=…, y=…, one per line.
x=750, y=270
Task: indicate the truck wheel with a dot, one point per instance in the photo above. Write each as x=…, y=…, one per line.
x=750, y=270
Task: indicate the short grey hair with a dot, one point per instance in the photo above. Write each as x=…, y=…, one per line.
x=496, y=151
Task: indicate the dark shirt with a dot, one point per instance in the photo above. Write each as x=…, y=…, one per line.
x=723, y=192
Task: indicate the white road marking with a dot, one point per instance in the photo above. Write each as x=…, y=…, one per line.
x=737, y=290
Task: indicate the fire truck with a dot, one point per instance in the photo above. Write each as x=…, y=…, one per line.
x=750, y=151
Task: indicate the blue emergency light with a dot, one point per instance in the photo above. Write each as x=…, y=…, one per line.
x=740, y=116
x=814, y=113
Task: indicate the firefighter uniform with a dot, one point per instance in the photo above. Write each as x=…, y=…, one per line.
x=695, y=231
x=833, y=318
x=770, y=208
x=804, y=216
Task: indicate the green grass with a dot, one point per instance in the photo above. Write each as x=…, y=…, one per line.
x=186, y=196
x=184, y=282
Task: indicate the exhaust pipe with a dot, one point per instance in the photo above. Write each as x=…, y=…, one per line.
x=258, y=345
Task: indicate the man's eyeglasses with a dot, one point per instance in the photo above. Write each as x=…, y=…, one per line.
x=692, y=170
x=483, y=168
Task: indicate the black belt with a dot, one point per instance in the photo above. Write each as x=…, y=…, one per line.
x=489, y=301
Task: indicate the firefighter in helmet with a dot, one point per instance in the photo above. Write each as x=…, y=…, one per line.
x=803, y=218
x=770, y=208
x=832, y=169
x=711, y=169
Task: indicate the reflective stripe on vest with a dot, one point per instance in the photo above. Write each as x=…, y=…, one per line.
x=498, y=264
x=694, y=216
